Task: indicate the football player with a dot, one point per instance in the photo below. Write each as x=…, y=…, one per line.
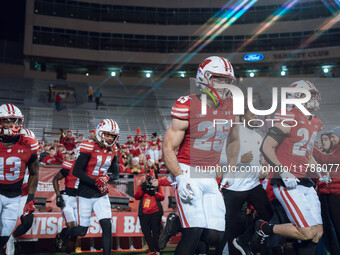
x=17, y=152
x=289, y=148
x=67, y=202
x=96, y=159
x=245, y=186
x=26, y=222
x=201, y=206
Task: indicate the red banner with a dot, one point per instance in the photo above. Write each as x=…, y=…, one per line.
x=47, y=225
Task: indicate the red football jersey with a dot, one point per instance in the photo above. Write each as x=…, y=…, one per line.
x=70, y=180
x=203, y=142
x=131, y=146
x=100, y=159
x=294, y=151
x=139, y=150
x=13, y=160
x=69, y=143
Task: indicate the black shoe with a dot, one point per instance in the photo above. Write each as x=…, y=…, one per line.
x=242, y=246
x=172, y=227
x=259, y=236
x=58, y=243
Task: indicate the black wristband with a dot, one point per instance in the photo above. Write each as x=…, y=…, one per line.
x=30, y=198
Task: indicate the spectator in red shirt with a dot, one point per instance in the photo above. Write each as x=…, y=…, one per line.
x=150, y=212
x=57, y=102
x=135, y=168
x=151, y=167
x=130, y=144
x=69, y=142
x=141, y=148
x=123, y=152
x=329, y=191
x=52, y=158
x=44, y=153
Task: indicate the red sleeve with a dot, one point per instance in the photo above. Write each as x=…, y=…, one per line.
x=139, y=193
x=332, y=158
x=45, y=159
x=59, y=158
x=128, y=170
x=164, y=182
x=142, y=171
x=181, y=108
x=159, y=195
x=68, y=165
x=278, y=116
x=86, y=147
x=135, y=138
x=63, y=140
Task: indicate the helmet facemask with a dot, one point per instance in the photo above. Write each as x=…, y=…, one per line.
x=10, y=126
x=104, y=139
x=217, y=82
x=213, y=74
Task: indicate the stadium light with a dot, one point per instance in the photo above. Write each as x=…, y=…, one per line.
x=325, y=70
x=251, y=74
x=113, y=73
x=283, y=73
x=148, y=75
x=87, y=74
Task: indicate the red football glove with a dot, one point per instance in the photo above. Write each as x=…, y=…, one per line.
x=102, y=181
x=101, y=184
x=29, y=208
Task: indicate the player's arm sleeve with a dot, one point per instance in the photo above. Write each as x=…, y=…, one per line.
x=274, y=137
x=80, y=164
x=181, y=108
x=113, y=171
x=64, y=172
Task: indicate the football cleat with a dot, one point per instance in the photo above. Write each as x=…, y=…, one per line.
x=259, y=236
x=243, y=246
x=172, y=227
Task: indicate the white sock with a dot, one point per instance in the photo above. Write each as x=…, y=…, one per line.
x=11, y=238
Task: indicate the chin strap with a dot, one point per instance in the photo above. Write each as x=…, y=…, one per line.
x=9, y=139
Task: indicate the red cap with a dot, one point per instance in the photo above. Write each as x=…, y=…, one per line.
x=60, y=145
x=130, y=136
x=124, y=146
x=140, y=139
x=69, y=130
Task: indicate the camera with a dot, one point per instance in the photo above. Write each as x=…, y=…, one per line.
x=147, y=186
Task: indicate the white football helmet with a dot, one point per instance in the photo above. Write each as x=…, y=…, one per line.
x=314, y=103
x=107, y=126
x=213, y=73
x=10, y=113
